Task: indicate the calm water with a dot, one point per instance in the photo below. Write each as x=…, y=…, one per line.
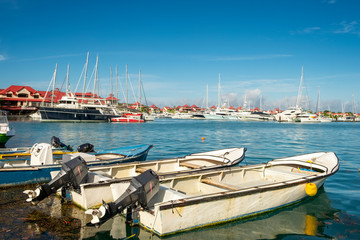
x=333, y=214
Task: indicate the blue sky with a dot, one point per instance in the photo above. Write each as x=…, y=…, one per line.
x=258, y=47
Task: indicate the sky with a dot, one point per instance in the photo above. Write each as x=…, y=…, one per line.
x=257, y=46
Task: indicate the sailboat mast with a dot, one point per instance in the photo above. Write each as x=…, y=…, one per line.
x=126, y=85
x=111, y=85
x=298, y=100
x=140, y=89
x=67, y=79
x=318, y=104
x=53, y=92
x=117, y=84
x=96, y=73
x=86, y=68
x=207, y=96
x=219, y=89
x=353, y=105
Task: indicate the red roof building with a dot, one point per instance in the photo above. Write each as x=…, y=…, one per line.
x=195, y=108
x=25, y=100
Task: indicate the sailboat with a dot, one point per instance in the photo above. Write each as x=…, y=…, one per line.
x=71, y=108
x=291, y=113
x=221, y=112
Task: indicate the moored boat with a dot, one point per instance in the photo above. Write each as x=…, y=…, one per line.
x=183, y=203
x=37, y=169
x=129, y=118
x=101, y=178
x=5, y=131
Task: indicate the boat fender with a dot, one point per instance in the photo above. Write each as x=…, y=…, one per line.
x=86, y=147
x=311, y=189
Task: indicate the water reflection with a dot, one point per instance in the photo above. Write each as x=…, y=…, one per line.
x=313, y=217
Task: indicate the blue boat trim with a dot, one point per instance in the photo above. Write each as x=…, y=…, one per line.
x=39, y=174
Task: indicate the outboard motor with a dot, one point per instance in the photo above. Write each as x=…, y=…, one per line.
x=55, y=141
x=73, y=173
x=86, y=147
x=141, y=190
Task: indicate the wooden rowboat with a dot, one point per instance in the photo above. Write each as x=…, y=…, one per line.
x=97, y=187
x=205, y=198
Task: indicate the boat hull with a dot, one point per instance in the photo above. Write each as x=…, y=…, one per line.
x=184, y=203
x=4, y=138
x=187, y=215
x=101, y=178
x=75, y=115
x=127, y=120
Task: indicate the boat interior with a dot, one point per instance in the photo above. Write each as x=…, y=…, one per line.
x=235, y=179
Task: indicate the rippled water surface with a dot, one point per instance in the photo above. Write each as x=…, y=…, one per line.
x=333, y=214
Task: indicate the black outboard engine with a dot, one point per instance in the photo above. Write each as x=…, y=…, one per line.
x=73, y=173
x=55, y=141
x=141, y=190
x=86, y=147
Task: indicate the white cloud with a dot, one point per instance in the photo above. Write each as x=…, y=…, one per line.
x=330, y=1
x=347, y=27
x=2, y=58
x=307, y=30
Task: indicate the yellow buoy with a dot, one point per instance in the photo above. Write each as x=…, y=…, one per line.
x=311, y=189
x=203, y=138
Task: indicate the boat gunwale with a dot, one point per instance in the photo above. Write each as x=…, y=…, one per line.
x=241, y=192
x=97, y=163
x=244, y=191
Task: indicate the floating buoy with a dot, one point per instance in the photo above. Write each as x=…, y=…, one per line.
x=311, y=189
x=202, y=138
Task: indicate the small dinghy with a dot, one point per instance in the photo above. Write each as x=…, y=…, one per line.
x=205, y=198
x=96, y=188
x=37, y=169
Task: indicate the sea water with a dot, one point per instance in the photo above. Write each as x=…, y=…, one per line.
x=334, y=213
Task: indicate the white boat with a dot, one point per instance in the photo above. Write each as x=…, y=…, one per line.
x=288, y=115
x=101, y=178
x=180, y=115
x=5, y=131
x=254, y=116
x=291, y=113
x=307, y=118
x=197, y=200
x=37, y=168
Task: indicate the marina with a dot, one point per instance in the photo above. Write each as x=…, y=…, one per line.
x=332, y=213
